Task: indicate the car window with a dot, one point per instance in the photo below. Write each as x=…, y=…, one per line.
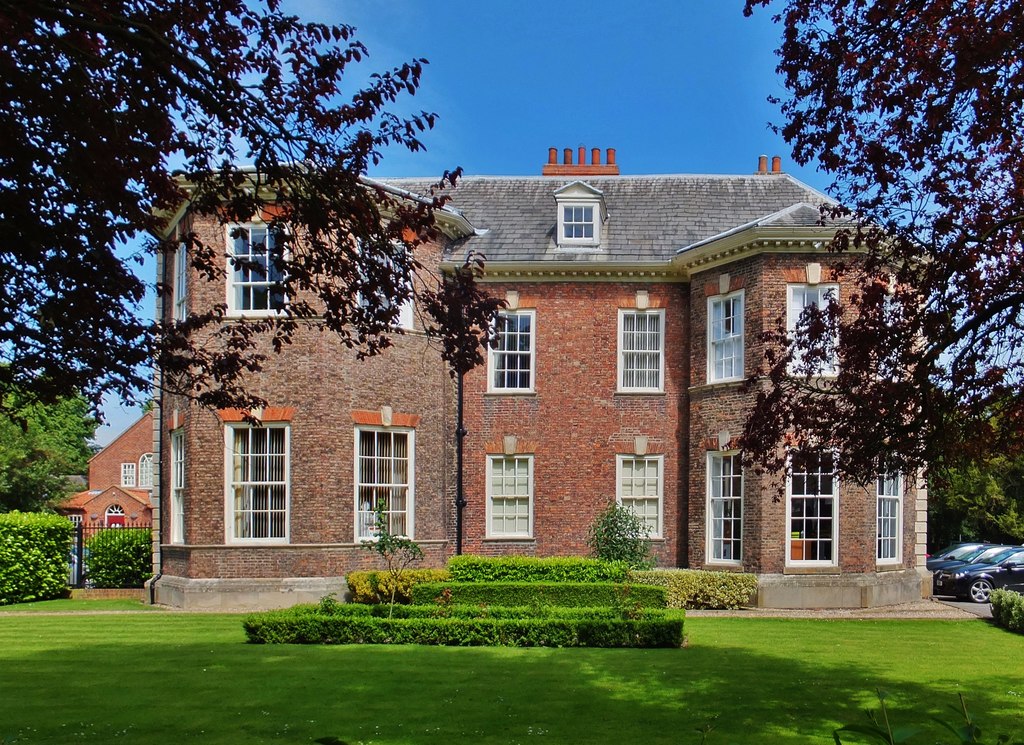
x=996, y=556
x=975, y=554
x=962, y=551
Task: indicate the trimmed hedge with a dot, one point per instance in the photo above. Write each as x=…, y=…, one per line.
x=1008, y=610
x=469, y=568
x=696, y=588
x=120, y=557
x=464, y=626
x=568, y=594
x=35, y=549
x=375, y=586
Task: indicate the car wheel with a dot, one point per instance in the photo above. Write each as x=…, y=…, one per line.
x=980, y=589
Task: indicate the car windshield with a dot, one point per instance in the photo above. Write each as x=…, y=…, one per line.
x=998, y=556
x=976, y=553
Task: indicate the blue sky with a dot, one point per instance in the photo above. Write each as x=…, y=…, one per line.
x=674, y=87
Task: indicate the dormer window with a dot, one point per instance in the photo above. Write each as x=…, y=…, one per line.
x=581, y=213
x=577, y=223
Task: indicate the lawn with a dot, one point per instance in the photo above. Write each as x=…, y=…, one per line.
x=170, y=678
x=77, y=605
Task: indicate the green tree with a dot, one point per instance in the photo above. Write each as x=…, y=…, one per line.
x=982, y=501
x=618, y=534
x=40, y=445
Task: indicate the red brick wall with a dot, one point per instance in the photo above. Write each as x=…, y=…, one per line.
x=575, y=422
x=722, y=406
x=324, y=384
x=105, y=466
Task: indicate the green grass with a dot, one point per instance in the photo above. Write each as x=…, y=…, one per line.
x=78, y=605
x=173, y=678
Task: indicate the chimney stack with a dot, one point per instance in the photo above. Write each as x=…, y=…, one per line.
x=762, y=166
x=580, y=168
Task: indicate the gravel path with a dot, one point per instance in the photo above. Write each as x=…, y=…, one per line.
x=921, y=609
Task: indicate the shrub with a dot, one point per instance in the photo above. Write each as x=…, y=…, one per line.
x=1008, y=610
x=696, y=588
x=34, y=552
x=375, y=586
x=618, y=534
x=396, y=551
x=568, y=594
x=469, y=568
x=120, y=557
x=465, y=626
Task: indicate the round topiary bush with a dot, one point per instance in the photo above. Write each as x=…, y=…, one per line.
x=120, y=557
x=618, y=534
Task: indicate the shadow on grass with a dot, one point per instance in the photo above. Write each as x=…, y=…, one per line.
x=193, y=679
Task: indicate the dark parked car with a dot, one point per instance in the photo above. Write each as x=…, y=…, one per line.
x=975, y=581
x=954, y=552
x=972, y=557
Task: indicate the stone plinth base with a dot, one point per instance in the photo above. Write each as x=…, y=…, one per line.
x=244, y=594
x=839, y=590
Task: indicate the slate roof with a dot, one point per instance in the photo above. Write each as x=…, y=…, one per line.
x=650, y=218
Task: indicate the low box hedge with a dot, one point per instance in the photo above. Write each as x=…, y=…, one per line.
x=1008, y=610
x=35, y=550
x=569, y=594
x=375, y=586
x=696, y=588
x=470, y=568
x=465, y=626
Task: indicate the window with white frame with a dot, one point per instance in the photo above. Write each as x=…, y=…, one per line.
x=578, y=223
x=177, y=486
x=725, y=337
x=254, y=270
x=641, y=350
x=802, y=297
x=639, y=488
x=511, y=360
x=146, y=471
x=128, y=475
x=384, y=481
x=510, y=496
x=890, y=508
x=75, y=519
x=388, y=264
x=258, y=483
x=725, y=507
x=181, y=282
x=813, y=508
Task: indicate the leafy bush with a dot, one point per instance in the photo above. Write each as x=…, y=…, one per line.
x=1008, y=610
x=696, y=588
x=618, y=534
x=375, y=586
x=469, y=568
x=120, y=557
x=568, y=594
x=34, y=553
x=465, y=626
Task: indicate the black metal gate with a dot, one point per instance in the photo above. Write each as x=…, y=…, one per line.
x=78, y=570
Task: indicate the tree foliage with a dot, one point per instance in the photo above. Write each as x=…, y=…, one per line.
x=40, y=446
x=115, y=113
x=915, y=109
x=978, y=501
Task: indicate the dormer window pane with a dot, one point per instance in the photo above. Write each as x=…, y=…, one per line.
x=578, y=222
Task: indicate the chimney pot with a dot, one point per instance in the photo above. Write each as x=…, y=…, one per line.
x=583, y=155
x=553, y=155
x=610, y=159
x=567, y=156
x=581, y=167
x=776, y=164
x=762, y=164
x=595, y=156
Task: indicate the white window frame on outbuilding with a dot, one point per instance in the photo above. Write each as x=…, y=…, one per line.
x=128, y=475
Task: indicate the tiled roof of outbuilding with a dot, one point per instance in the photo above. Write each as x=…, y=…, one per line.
x=650, y=218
